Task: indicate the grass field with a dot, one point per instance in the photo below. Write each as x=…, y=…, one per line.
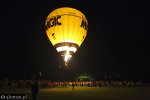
x=85, y=93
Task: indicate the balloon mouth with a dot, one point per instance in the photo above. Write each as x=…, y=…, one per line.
x=66, y=50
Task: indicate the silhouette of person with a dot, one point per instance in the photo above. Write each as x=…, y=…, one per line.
x=73, y=86
x=35, y=90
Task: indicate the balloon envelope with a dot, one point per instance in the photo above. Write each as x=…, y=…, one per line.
x=66, y=28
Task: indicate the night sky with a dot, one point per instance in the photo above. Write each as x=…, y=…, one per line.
x=117, y=44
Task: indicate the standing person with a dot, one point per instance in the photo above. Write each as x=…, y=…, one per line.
x=35, y=90
x=73, y=86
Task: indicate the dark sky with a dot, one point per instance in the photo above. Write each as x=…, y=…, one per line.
x=117, y=43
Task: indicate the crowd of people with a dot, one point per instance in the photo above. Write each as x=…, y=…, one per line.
x=34, y=85
x=46, y=83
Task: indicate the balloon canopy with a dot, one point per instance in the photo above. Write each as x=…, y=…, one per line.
x=66, y=28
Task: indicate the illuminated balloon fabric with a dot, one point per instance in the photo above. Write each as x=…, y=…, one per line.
x=66, y=28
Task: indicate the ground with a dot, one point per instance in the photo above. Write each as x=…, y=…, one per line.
x=85, y=93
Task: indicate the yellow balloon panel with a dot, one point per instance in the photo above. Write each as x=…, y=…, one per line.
x=66, y=25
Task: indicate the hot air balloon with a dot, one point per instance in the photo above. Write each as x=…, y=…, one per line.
x=66, y=28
